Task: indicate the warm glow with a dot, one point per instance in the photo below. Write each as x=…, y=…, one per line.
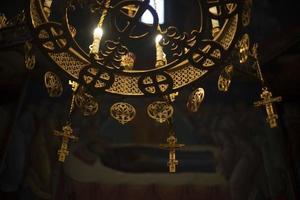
x=98, y=32
x=158, y=38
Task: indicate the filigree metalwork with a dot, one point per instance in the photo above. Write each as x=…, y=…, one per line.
x=52, y=37
x=176, y=42
x=225, y=78
x=29, y=57
x=195, y=99
x=95, y=78
x=192, y=55
x=122, y=112
x=111, y=56
x=53, y=84
x=225, y=9
x=161, y=111
x=127, y=30
x=127, y=61
x=206, y=54
x=87, y=104
x=156, y=84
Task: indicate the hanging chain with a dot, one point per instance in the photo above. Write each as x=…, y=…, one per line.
x=171, y=126
x=104, y=13
x=258, y=68
x=72, y=105
x=74, y=86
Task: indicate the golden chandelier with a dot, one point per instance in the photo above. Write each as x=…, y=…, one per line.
x=182, y=58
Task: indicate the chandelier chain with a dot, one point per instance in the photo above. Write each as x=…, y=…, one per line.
x=104, y=13
x=258, y=68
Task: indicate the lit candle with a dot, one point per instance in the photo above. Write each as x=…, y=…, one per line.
x=215, y=23
x=94, y=48
x=160, y=55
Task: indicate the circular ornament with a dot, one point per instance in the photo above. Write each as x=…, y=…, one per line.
x=86, y=103
x=53, y=84
x=122, y=112
x=244, y=45
x=160, y=111
x=191, y=51
x=195, y=99
x=225, y=78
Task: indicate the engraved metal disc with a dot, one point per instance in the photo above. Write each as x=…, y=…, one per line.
x=122, y=112
x=161, y=111
x=53, y=84
x=195, y=99
x=86, y=103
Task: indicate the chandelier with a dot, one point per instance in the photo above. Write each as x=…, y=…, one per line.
x=109, y=63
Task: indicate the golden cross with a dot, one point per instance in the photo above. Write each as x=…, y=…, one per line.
x=172, y=146
x=66, y=135
x=131, y=9
x=267, y=101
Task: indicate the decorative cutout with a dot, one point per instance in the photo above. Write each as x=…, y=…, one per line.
x=176, y=42
x=57, y=39
x=195, y=99
x=161, y=111
x=52, y=37
x=122, y=112
x=225, y=78
x=53, y=84
x=112, y=55
x=156, y=84
x=95, y=78
x=125, y=23
x=225, y=9
x=206, y=54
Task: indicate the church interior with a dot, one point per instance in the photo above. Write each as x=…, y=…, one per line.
x=149, y=99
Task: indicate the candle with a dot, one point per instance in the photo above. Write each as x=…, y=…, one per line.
x=215, y=23
x=160, y=55
x=94, y=48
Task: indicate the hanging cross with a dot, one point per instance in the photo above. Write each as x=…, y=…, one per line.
x=131, y=10
x=267, y=101
x=66, y=135
x=172, y=146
